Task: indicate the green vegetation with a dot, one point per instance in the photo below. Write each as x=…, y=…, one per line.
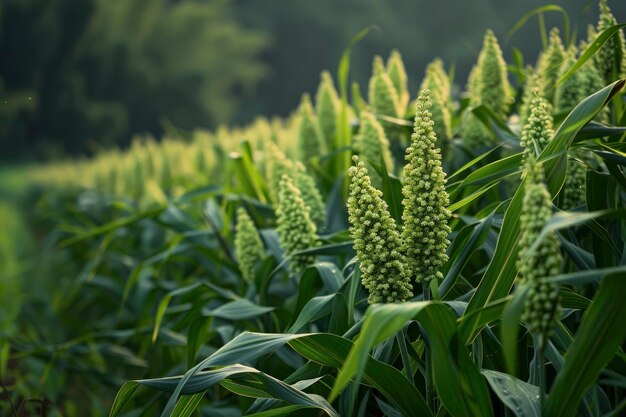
x=345, y=260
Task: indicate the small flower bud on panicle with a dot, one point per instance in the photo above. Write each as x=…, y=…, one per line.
x=425, y=215
x=537, y=131
x=538, y=262
x=296, y=230
x=376, y=240
x=248, y=245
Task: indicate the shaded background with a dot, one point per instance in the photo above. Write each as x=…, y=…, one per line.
x=80, y=75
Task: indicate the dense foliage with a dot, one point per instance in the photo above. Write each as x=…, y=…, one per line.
x=355, y=259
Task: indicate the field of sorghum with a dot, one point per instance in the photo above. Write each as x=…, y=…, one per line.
x=378, y=254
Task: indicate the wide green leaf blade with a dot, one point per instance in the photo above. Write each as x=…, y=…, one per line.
x=597, y=339
x=458, y=382
x=521, y=397
x=554, y=155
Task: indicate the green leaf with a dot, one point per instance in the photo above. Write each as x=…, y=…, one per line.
x=501, y=271
x=470, y=198
x=464, y=244
x=114, y=225
x=554, y=155
x=262, y=383
x=344, y=134
x=316, y=308
x=510, y=327
x=331, y=350
x=521, y=397
x=595, y=130
x=459, y=384
x=490, y=173
x=279, y=412
x=539, y=11
x=563, y=220
x=591, y=50
x=472, y=163
x=123, y=396
x=486, y=314
x=164, y=303
x=599, y=336
x=187, y=404
x=195, y=337
x=242, y=309
x=592, y=276
x=494, y=123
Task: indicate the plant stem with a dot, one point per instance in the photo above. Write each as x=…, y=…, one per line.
x=430, y=397
x=406, y=362
x=540, y=371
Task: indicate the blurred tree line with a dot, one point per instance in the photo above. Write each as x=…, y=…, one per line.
x=77, y=75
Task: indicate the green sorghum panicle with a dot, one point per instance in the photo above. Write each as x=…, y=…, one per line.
x=550, y=63
x=397, y=74
x=494, y=89
x=382, y=95
x=296, y=230
x=575, y=187
x=436, y=80
x=582, y=83
x=578, y=86
x=371, y=142
x=310, y=193
x=327, y=107
x=376, y=240
x=488, y=85
x=309, y=133
x=280, y=165
x=248, y=245
x=537, y=131
x=277, y=165
x=425, y=214
x=611, y=58
x=569, y=93
x=536, y=267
